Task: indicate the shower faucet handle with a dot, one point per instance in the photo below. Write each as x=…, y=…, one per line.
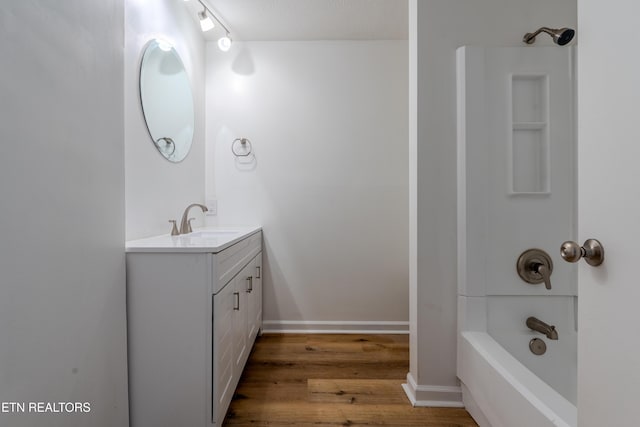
x=592, y=251
x=543, y=271
x=534, y=266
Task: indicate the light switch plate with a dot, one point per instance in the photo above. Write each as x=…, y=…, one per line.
x=212, y=205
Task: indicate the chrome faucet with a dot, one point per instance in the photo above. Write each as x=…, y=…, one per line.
x=185, y=224
x=543, y=328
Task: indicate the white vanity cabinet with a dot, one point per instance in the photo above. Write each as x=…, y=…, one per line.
x=192, y=317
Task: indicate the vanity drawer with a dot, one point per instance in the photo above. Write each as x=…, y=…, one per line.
x=230, y=261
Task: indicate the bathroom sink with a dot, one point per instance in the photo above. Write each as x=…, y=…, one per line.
x=211, y=234
x=206, y=239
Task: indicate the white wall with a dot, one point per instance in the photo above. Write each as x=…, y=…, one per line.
x=156, y=189
x=62, y=284
x=437, y=28
x=329, y=180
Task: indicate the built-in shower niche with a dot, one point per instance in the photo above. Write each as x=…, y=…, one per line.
x=529, y=168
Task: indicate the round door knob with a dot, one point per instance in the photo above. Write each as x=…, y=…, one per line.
x=592, y=252
x=571, y=251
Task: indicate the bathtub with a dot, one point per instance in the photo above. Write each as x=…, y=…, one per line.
x=499, y=391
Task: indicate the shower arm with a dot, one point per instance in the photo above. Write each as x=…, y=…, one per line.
x=530, y=38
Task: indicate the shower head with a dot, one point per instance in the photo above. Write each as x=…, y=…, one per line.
x=560, y=36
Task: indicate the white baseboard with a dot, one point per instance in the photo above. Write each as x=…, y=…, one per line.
x=432, y=396
x=334, y=327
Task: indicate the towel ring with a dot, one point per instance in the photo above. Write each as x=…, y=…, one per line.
x=244, y=142
x=168, y=142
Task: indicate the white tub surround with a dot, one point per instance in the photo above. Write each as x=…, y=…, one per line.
x=516, y=191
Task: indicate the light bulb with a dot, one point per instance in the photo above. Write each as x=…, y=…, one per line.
x=205, y=22
x=224, y=43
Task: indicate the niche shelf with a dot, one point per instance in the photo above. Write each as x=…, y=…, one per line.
x=529, y=147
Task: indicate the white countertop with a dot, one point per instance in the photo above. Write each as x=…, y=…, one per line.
x=206, y=239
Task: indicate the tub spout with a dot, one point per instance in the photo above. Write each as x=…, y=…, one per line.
x=543, y=328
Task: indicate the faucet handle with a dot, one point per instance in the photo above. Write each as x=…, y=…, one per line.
x=543, y=271
x=189, y=229
x=534, y=266
x=174, y=229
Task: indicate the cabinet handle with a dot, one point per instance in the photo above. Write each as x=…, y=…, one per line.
x=258, y=268
x=249, y=284
x=236, y=305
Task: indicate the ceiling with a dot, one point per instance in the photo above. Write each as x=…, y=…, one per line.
x=309, y=19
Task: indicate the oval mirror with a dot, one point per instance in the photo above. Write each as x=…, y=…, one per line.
x=167, y=101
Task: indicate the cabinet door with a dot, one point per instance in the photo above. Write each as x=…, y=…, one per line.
x=236, y=310
x=240, y=320
x=255, y=299
x=224, y=372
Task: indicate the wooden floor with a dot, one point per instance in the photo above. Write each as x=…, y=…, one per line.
x=331, y=380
